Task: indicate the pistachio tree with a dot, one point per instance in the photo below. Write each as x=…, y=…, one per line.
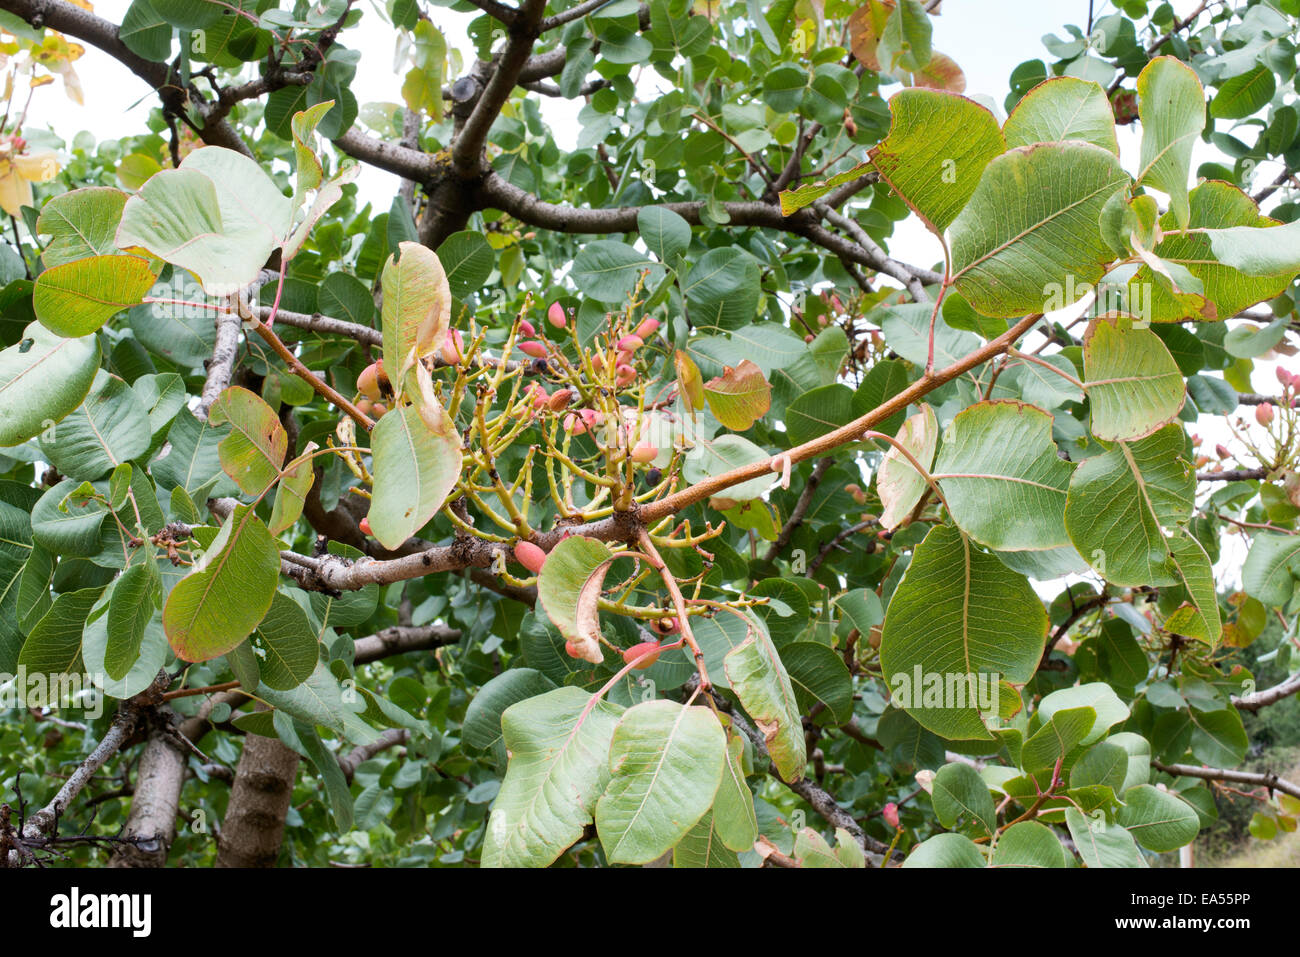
x=633, y=500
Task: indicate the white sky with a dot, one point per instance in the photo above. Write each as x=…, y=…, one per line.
x=988, y=38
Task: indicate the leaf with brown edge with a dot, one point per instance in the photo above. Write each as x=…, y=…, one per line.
x=740, y=396
x=759, y=679
x=938, y=147
x=416, y=311
x=568, y=587
x=254, y=450
x=941, y=73
x=866, y=24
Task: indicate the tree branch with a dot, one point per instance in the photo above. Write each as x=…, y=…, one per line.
x=1267, y=780
x=1261, y=699
x=362, y=753
x=100, y=33
x=467, y=150
x=800, y=509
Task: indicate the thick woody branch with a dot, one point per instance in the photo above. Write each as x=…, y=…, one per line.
x=324, y=325
x=222, y=364
x=497, y=11
x=497, y=192
x=1262, y=699
x=391, y=738
x=467, y=150
x=42, y=821
x=85, y=26
x=1233, y=475
x=392, y=157
x=1267, y=780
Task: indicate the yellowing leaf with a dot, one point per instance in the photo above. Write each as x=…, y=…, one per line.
x=740, y=396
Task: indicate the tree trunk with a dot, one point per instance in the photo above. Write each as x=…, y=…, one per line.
x=152, y=821
x=253, y=828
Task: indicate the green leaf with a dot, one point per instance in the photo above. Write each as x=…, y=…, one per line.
x=905, y=40
x=958, y=613
x=559, y=744
x=1158, y=820
x=945, y=850
x=959, y=792
x=819, y=411
x=317, y=701
x=1028, y=844
x=1270, y=568
x=253, y=450
x=217, y=215
x=1240, y=96
x=702, y=846
x=1258, y=251
x=194, y=459
x=907, y=332
x=1003, y=481
x=468, y=260
x=1199, y=616
x=1121, y=501
x=145, y=33
x=54, y=645
x=43, y=377
x=136, y=596
x=285, y=645
x=733, y=815
x=150, y=656
x=607, y=270
x=664, y=233
x=1171, y=106
x=416, y=311
x=482, y=725
x=1134, y=385
x=66, y=524
x=82, y=222
x=1100, y=697
x=759, y=679
x=1105, y=764
x=1218, y=737
x=1100, y=843
x=110, y=427
x=1033, y=221
x=1215, y=206
x=722, y=289
x=326, y=763
x=76, y=298
x=1062, y=108
x=723, y=454
x=819, y=676
x=793, y=200
x=666, y=762
x=227, y=591
x=937, y=148
x=291, y=494
x=1058, y=736
x=416, y=459
x=898, y=483
x=568, y=588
